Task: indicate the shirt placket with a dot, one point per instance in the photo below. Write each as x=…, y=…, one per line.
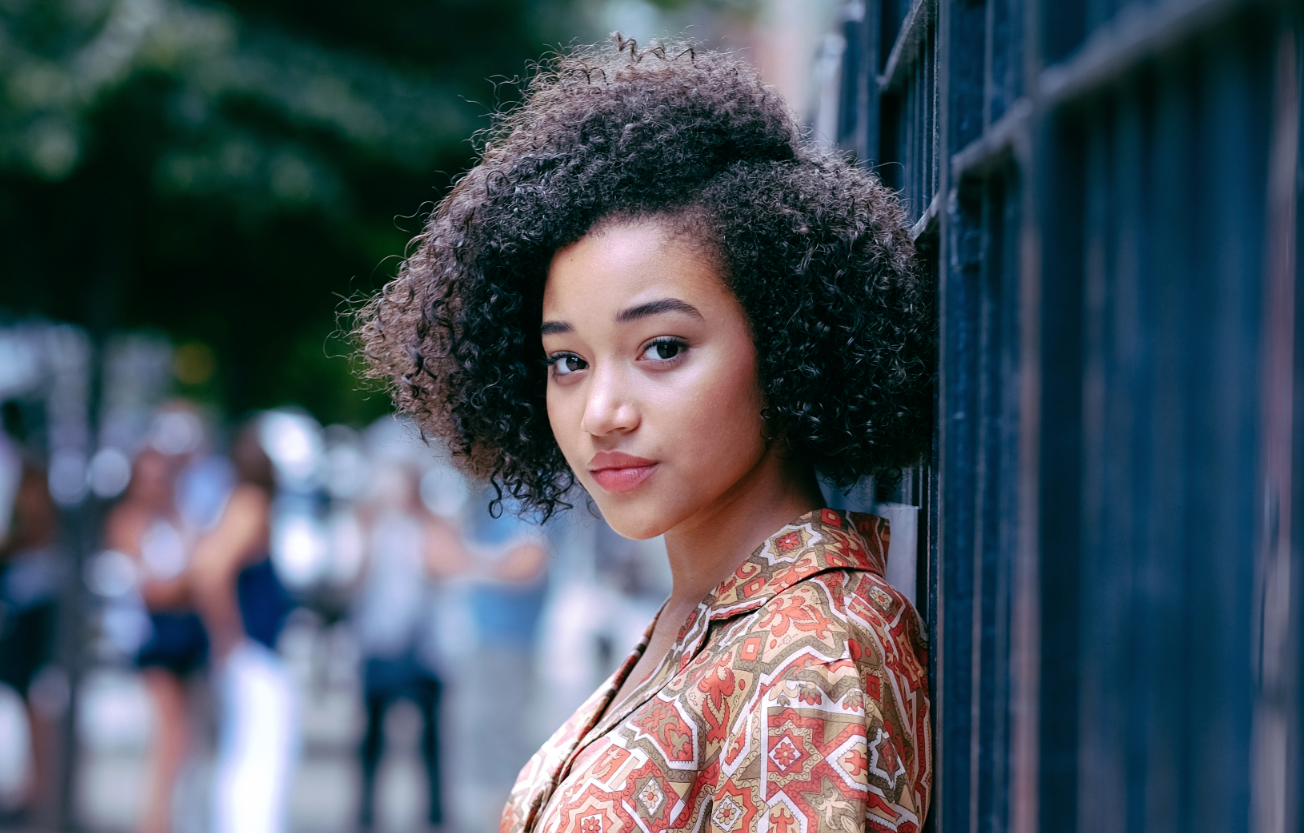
x=690, y=639
x=586, y=735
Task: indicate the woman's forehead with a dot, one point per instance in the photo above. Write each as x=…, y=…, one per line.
x=625, y=265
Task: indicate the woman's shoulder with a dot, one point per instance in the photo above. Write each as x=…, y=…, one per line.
x=838, y=627
x=837, y=608
x=816, y=583
x=248, y=501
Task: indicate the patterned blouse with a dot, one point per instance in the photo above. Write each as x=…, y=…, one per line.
x=794, y=700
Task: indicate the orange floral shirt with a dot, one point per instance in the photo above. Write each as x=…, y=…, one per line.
x=794, y=700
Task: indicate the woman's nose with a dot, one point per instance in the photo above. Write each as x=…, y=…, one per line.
x=609, y=408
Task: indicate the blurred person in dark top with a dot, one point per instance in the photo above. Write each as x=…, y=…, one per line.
x=146, y=526
x=28, y=590
x=235, y=587
x=243, y=606
x=408, y=547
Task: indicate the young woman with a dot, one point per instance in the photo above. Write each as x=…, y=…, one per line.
x=30, y=562
x=243, y=606
x=147, y=526
x=654, y=287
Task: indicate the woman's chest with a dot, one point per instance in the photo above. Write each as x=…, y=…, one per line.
x=646, y=771
x=653, y=760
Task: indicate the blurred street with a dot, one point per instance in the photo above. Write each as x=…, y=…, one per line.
x=324, y=795
x=238, y=595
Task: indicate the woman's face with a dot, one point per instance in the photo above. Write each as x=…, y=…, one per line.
x=152, y=479
x=652, y=385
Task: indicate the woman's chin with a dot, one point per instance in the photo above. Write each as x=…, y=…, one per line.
x=632, y=521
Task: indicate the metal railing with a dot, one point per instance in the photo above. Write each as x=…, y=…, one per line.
x=1108, y=194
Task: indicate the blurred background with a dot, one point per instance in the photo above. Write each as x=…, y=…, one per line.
x=193, y=195
x=236, y=591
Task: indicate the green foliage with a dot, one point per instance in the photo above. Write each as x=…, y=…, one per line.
x=231, y=172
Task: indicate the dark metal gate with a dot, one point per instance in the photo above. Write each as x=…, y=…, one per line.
x=1109, y=194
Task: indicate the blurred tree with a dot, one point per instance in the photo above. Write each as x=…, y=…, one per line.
x=229, y=173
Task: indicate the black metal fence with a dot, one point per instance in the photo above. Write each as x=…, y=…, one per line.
x=1109, y=193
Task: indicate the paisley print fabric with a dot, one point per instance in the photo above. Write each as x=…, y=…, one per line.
x=794, y=700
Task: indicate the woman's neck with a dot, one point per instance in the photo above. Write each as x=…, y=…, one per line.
x=707, y=547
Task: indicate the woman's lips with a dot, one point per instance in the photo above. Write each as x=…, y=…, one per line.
x=623, y=479
x=618, y=472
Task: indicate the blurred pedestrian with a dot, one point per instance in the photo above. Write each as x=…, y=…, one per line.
x=243, y=606
x=505, y=602
x=146, y=526
x=28, y=594
x=393, y=618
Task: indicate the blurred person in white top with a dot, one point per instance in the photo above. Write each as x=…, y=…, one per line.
x=147, y=527
x=394, y=619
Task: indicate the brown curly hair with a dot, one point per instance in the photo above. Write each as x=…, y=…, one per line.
x=815, y=248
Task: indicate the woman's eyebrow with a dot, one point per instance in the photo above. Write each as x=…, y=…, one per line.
x=656, y=308
x=626, y=315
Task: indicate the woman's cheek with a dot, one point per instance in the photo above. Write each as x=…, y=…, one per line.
x=727, y=427
x=564, y=423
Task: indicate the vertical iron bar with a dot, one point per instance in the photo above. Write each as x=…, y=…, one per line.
x=1061, y=188
x=1164, y=576
x=1236, y=68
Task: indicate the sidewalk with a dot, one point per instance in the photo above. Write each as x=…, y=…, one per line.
x=484, y=747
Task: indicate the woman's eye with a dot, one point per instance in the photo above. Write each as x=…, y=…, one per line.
x=662, y=351
x=566, y=364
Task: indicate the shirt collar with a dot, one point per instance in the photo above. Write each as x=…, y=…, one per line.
x=814, y=543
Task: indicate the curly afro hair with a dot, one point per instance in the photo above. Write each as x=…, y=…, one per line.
x=816, y=249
